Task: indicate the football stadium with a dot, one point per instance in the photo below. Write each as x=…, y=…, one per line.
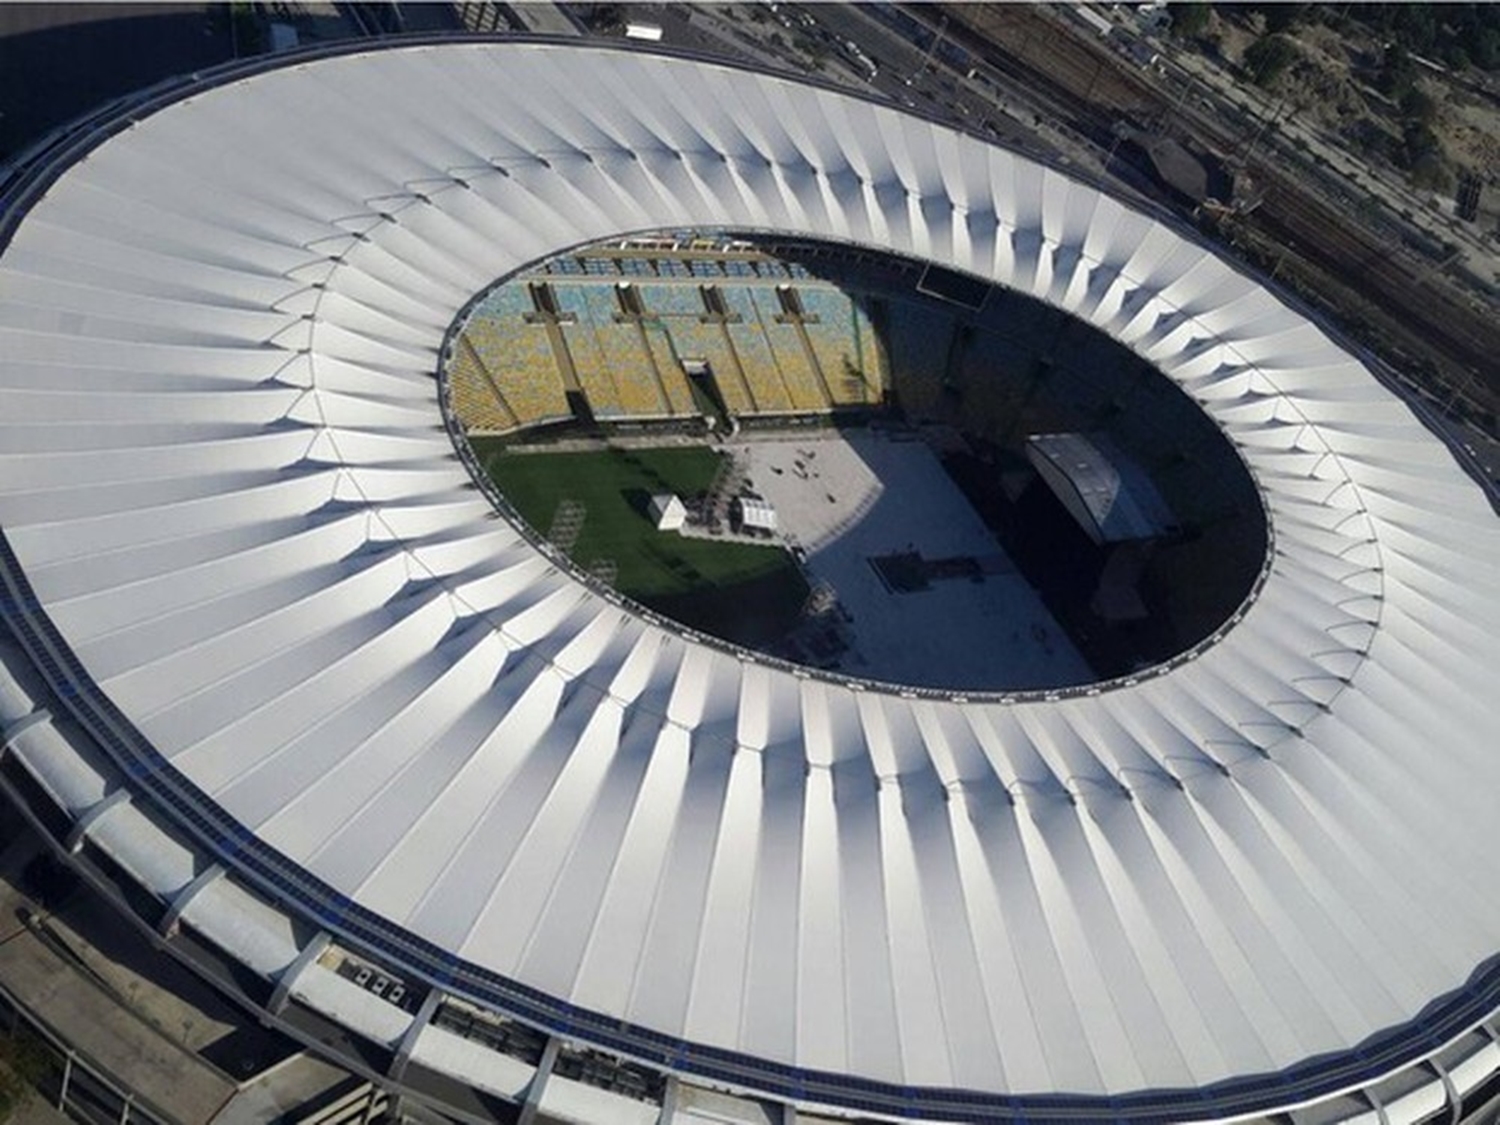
x=842, y=429
x=599, y=585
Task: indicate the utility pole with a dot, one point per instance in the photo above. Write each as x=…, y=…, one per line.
x=1176, y=115
x=1265, y=122
x=1093, y=78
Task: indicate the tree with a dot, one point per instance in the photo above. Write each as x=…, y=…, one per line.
x=1415, y=26
x=1190, y=19
x=1419, y=141
x=1456, y=57
x=1282, y=17
x=1419, y=106
x=606, y=18
x=1422, y=155
x=1276, y=17
x=25, y=1064
x=1431, y=171
x=246, y=28
x=1486, y=49
x=1397, y=72
x=1269, y=57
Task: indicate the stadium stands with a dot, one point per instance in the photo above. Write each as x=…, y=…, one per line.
x=511, y=377
x=872, y=350
x=833, y=333
x=519, y=360
x=596, y=376
x=994, y=371
x=625, y=345
x=630, y=365
x=694, y=340
x=748, y=336
x=474, y=398
x=920, y=336
x=669, y=368
x=792, y=360
x=672, y=300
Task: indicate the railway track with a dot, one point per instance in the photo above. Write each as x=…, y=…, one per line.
x=1091, y=87
x=1313, y=231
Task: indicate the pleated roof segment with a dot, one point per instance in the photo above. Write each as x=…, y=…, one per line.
x=226, y=476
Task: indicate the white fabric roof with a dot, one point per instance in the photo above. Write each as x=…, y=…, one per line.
x=668, y=510
x=757, y=513
x=223, y=468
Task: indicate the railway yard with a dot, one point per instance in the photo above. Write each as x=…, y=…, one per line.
x=1383, y=282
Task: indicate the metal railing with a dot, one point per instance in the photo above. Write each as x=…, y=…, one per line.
x=72, y=1082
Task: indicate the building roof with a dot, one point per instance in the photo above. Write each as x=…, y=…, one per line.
x=1111, y=497
x=1197, y=176
x=227, y=486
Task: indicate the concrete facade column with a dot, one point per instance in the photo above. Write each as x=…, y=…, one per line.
x=288, y=979
x=167, y=927
x=92, y=816
x=409, y=1040
x=668, y=1101
x=14, y=730
x=538, y=1085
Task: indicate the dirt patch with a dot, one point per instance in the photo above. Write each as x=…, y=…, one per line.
x=1472, y=134
x=1337, y=83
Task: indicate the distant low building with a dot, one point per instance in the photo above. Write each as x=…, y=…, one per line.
x=1193, y=175
x=1194, y=178
x=283, y=37
x=650, y=32
x=1153, y=18
x=544, y=18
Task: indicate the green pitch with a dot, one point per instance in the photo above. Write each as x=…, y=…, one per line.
x=747, y=594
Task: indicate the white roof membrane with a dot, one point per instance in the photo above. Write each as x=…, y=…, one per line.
x=225, y=475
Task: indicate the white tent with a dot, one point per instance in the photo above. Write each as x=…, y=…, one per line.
x=668, y=511
x=757, y=515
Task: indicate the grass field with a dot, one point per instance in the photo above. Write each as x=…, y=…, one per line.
x=746, y=594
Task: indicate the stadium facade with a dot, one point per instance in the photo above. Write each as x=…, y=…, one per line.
x=272, y=654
